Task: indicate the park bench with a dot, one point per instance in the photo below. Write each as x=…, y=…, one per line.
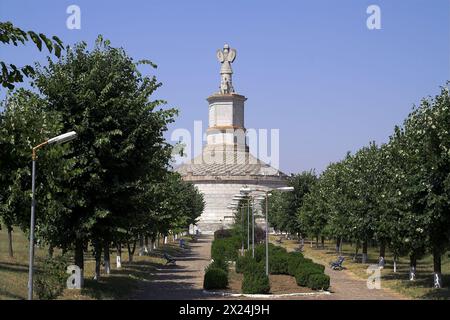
x=169, y=259
x=193, y=238
x=337, y=265
x=299, y=248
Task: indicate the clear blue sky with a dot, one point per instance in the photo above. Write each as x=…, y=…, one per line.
x=310, y=68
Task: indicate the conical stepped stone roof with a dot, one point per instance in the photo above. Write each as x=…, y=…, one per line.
x=226, y=163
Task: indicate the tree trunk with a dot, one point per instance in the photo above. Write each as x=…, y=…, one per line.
x=317, y=242
x=437, y=273
x=98, y=259
x=141, y=245
x=119, y=256
x=381, y=259
x=322, y=240
x=395, y=263
x=79, y=259
x=131, y=251
x=412, y=267
x=364, y=253
x=355, y=257
x=10, y=245
x=50, y=251
x=146, y=245
x=79, y=255
x=107, y=259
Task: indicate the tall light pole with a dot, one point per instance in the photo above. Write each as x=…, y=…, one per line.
x=56, y=140
x=237, y=199
x=253, y=227
x=248, y=223
x=245, y=192
x=266, y=193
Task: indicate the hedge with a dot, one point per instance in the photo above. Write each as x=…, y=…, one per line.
x=215, y=279
x=225, y=248
x=294, y=259
x=247, y=263
x=260, y=251
x=319, y=281
x=219, y=263
x=255, y=279
x=223, y=233
x=303, y=272
x=278, y=263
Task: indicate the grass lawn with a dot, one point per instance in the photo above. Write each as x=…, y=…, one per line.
x=419, y=289
x=120, y=284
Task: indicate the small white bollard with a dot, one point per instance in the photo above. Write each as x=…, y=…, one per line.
x=118, y=262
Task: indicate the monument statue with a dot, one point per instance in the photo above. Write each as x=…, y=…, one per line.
x=226, y=58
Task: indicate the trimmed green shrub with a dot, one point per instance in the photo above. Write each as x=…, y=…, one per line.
x=319, y=281
x=215, y=279
x=255, y=283
x=319, y=267
x=223, y=233
x=255, y=279
x=247, y=263
x=294, y=259
x=219, y=263
x=260, y=251
x=225, y=248
x=303, y=272
x=51, y=280
x=241, y=263
x=278, y=263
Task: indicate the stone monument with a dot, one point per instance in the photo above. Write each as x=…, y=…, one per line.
x=225, y=164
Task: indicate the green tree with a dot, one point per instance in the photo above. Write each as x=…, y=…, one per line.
x=283, y=207
x=9, y=34
x=23, y=125
x=423, y=144
x=102, y=96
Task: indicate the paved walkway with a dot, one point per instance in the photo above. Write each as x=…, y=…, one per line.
x=185, y=281
x=347, y=286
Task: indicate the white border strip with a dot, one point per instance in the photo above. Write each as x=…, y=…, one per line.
x=267, y=296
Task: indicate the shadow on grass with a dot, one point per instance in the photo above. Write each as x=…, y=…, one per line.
x=13, y=267
x=10, y=295
x=120, y=283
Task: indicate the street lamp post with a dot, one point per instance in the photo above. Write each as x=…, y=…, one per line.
x=266, y=193
x=248, y=223
x=56, y=140
x=267, y=234
x=253, y=227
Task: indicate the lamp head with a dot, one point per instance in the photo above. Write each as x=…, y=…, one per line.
x=63, y=138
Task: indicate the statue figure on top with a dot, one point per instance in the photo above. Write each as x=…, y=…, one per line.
x=226, y=57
